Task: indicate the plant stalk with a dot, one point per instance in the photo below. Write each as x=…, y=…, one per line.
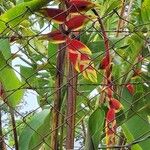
x=58, y=96
x=14, y=128
x=71, y=107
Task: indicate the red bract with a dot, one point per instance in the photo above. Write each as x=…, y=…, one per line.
x=130, y=88
x=73, y=57
x=77, y=46
x=115, y=104
x=55, y=37
x=76, y=23
x=78, y=54
x=110, y=117
x=80, y=6
x=57, y=15
x=110, y=127
x=104, y=63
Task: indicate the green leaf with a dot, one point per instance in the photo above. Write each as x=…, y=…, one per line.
x=28, y=76
x=52, y=51
x=98, y=46
x=136, y=127
x=126, y=99
x=95, y=129
x=17, y=14
x=145, y=11
x=10, y=82
x=130, y=138
x=5, y=48
x=135, y=46
x=35, y=131
x=110, y=5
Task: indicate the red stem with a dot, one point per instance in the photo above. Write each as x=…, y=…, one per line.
x=106, y=40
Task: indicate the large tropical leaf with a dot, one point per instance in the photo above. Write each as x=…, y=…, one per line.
x=35, y=131
x=137, y=127
x=12, y=85
x=95, y=129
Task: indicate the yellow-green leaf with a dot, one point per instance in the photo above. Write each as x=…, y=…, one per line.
x=17, y=14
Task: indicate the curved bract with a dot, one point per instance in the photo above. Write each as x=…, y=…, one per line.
x=56, y=15
x=78, y=22
x=55, y=37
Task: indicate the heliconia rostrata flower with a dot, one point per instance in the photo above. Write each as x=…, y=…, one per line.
x=78, y=53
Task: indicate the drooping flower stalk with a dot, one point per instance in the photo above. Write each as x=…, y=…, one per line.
x=107, y=94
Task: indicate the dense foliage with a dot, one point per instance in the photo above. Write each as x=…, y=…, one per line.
x=88, y=62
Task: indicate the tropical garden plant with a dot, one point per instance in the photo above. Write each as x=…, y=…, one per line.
x=88, y=62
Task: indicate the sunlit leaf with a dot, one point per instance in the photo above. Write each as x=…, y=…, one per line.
x=5, y=49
